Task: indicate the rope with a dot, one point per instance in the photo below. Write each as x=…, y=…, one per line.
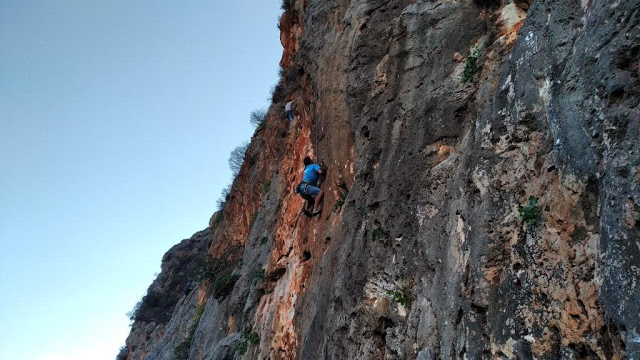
x=315, y=127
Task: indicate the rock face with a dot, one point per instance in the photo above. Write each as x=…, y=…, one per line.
x=423, y=251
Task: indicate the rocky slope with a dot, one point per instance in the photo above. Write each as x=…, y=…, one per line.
x=423, y=251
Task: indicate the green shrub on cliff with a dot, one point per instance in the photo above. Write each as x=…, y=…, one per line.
x=340, y=202
x=224, y=197
x=181, y=352
x=248, y=336
x=223, y=285
x=290, y=81
x=265, y=187
x=236, y=158
x=531, y=212
x=123, y=354
x=277, y=92
x=470, y=65
x=258, y=275
x=401, y=293
x=258, y=117
x=207, y=268
x=362, y=210
x=377, y=234
x=156, y=307
x=286, y=5
x=217, y=272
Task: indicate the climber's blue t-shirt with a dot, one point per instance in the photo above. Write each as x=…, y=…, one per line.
x=311, y=173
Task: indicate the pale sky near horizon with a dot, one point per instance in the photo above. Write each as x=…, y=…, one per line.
x=116, y=122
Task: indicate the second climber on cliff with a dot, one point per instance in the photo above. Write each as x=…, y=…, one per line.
x=288, y=108
x=309, y=189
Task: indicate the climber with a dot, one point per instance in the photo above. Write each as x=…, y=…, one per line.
x=187, y=288
x=288, y=108
x=308, y=187
x=185, y=292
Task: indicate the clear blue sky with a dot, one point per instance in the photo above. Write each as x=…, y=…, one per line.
x=116, y=121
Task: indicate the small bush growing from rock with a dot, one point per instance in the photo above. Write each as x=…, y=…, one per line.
x=258, y=117
x=181, y=352
x=531, y=212
x=258, y=275
x=277, y=92
x=377, y=234
x=286, y=5
x=401, y=294
x=264, y=240
x=207, y=268
x=241, y=346
x=362, y=210
x=248, y=337
x=217, y=272
x=251, y=336
x=155, y=306
x=290, y=80
x=470, y=65
x=636, y=208
x=236, y=158
x=265, y=187
x=123, y=354
x=340, y=202
x=224, y=197
x=223, y=285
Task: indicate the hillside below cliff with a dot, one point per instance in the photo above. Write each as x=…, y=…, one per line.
x=482, y=198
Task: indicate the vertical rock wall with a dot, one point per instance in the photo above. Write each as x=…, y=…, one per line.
x=421, y=251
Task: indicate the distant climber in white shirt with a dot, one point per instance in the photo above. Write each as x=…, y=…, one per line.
x=288, y=109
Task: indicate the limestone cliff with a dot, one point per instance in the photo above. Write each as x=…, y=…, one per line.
x=438, y=122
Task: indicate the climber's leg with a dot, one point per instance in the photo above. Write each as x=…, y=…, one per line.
x=318, y=194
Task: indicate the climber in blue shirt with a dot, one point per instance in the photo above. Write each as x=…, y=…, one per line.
x=187, y=288
x=308, y=188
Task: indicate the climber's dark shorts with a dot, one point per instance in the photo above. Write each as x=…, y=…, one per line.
x=313, y=191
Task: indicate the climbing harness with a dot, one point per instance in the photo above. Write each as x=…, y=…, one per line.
x=303, y=188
